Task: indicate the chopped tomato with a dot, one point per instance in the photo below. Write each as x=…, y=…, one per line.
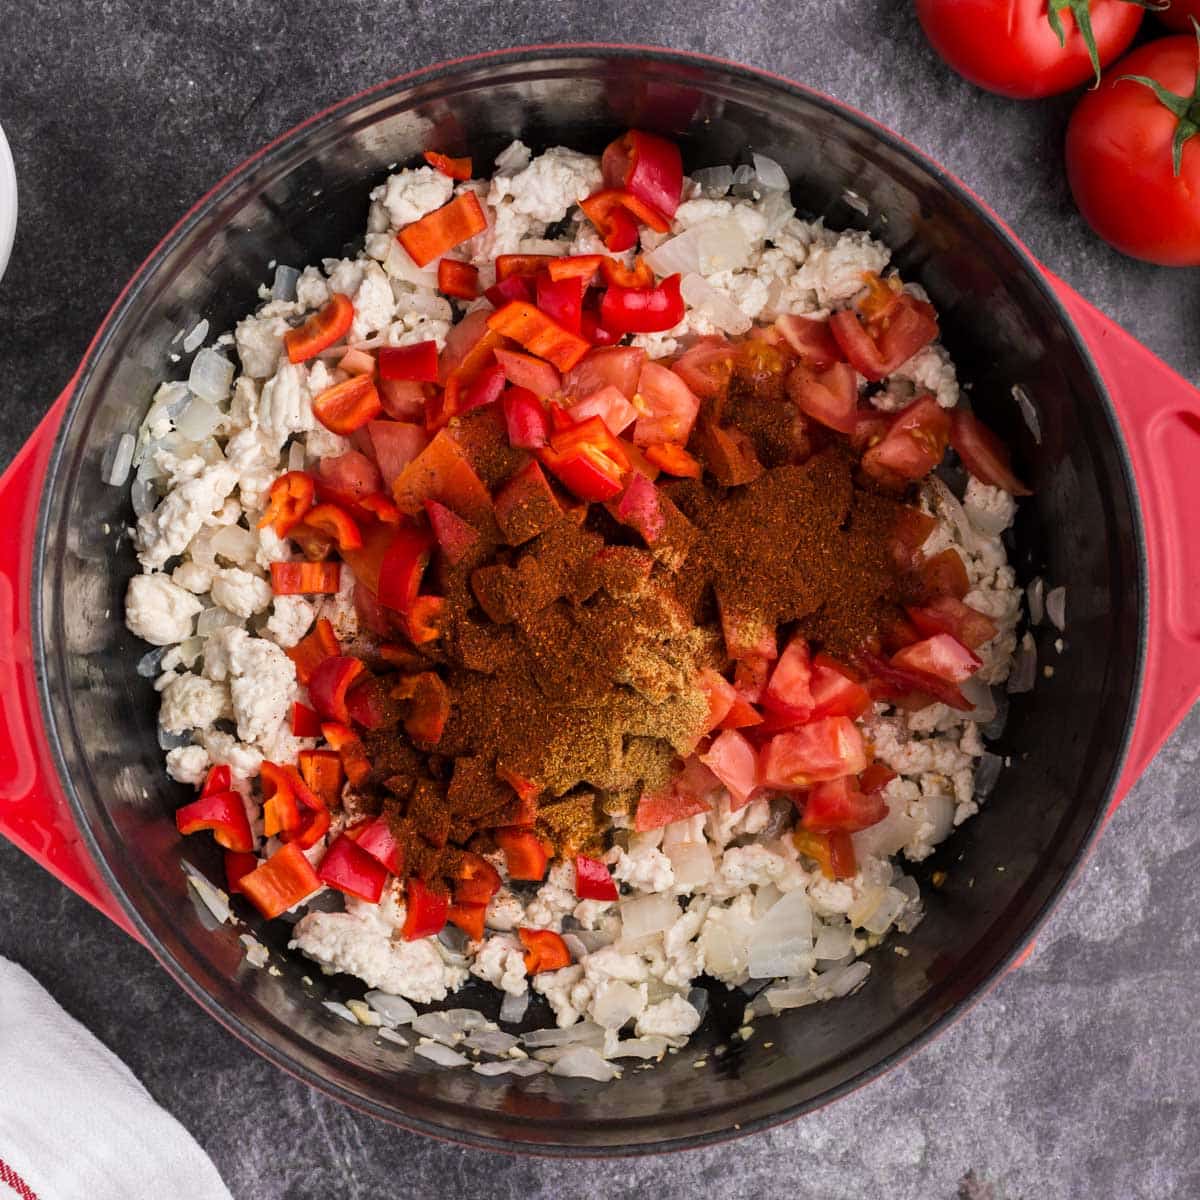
x=443, y=472
x=877, y=349
x=820, y=750
x=455, y=537
x=425, y=911
x=707, y=367
x=746, y=635
x=618, y=366
x=688, y=794
x=910, y=533
x=840, y=804
x=524, y=854
x=941, y=656
x=610, y=405
x=321, y=330
x=525, y=418
x=875, y=778
x=834, y=693
x=983, y=453
x=544, y=950
x=732, y=760
x=899, y=682
x=829, y=396
x=945, y=614
x=913, y=445
x=834, y=852
x=728, y=454
x=348, y=405
x=945, y=574
x=526, y=372
x=449, y=226
x=811, y=340
x=668, y=406
x=789, y=688
x=346, y=478
x=403, y=399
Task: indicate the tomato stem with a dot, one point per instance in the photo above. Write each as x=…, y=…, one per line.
x=1186, y=108
x=1081, y=10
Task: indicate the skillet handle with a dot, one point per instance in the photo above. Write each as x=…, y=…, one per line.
x=34, y=813
x=1160, y=417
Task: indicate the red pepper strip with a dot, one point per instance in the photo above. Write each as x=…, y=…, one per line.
x=615, y=272
x=425, y=911
x=219, y=779
x=526, y=789
x=305, y=722
x=376, y=838
x=642, y=310
x=291, y=496
x=484, y=389
x=539, y=334
x=469, y=918
x=314, y=825
x=350, y=750
x=329, y=684
x=224, y=814
x=281, y=807
x=305, y=578
x=588, y=266
x=527, y=265
x=335, y=521
x=321, y=330
x=478, y=360
x=237, y=866
x=594, y=433
x=403, y=567
x=458, y=279
x=575, y=266
x=614, y=212
x=584, y=472
x=455, y=537
x=280, y=883
x=417, y=362
x=401, y=656
x=562, y=302
x=313, y=649
x=590, y=327
x=525, y=419
x=544, y=950
x=381, y=508
x=455, y=168
x=515, y=287
x=423, y=622
x=672, y=458
x=476, y=880
x=350, y=869
x=592, y=880
x=524, y=853
x=439, y=231
x=430, y=706
x=647, y=165
x=348, y=405
x=833, y=851
x=321, y=771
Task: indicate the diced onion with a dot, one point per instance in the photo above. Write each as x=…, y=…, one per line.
x=283, y=286
x=781, y=943
x=1024, y=667
x=582, y=1031
x=582, y=1062
x=698, y=999
x=514, y=1008
x=678, y=255
x=1035, y=594
x=390, y=1035
x=195, y=336
x=513, y=158
x=212, y=619
x=982, y=698
x=770, y=174
x=714, y=182
x=785, y=996
x=616, y=1004
x=723, y=246
x=647, y=914
x=777, y=210
x=491, y=1041
x=855, y=201
x=147, y=665
x=210, y=376
x=745, y=181
x=842, y=981
x=510, y=1066
x=143, y=497
x=394, y=1010
x=995, y=727
x=198, y=420
x=466, y=1019
x=442, y=1055
x=576, y=946
x=436, y=1025
x=987, y=773
x=1028, y=411
x=172, y=741
x=650, y=1046
x=122, y=460
x=213, y=898
x=714, y=304
x=833, y=941
x=1056, y=608
x=693, y=862
x=296, y=456
x=890, y=906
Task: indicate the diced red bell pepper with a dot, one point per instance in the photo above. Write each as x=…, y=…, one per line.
x=449, y=226
x=329, y=684
x=291, y=496
x=529, y=373
x=305, y=578
x=526, y=266
x=321, y=771
x=642, y=310
x=941, y=656
x=425, y=911
x=454, y=168
x=319, y=645
x=544, y=950
x=834, y=692
x=469, y=918
x=349, y=868
x=946, y=614
x=648, y=166
x=615, y=213
x=476, y=880
x=592, y=879
x=348, y=405
x=561, y=301
x=789, y=688
x=429, y=707
x=350, y=750
x=575, y=266
x=839, y=804
x=524, y=853
x=525, y=418
x=305, y=722
x=218, y=779
x=376, y=838
x=336, y=523
x=423, y=622
x=403, y=567
x=281, y=882
x=820, y=750
x=367, y=703
x=418, y=362
x=834, y=852
x=237, y=866
x=455, y=538
x=321, y=330
x=281, y=807
x=811, y=340
x=672, y=459
x=584, y=471
x=515, y=287
x=731, y=758
x=458, y=279
x=539, y=334
x=669, y=407
x=223, y=813
x=486, y=388
x=526, y=505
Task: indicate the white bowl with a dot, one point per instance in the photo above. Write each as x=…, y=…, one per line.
x=8, y=202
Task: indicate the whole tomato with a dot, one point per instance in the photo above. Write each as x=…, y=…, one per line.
x=1133, y=165
x=1026, y=49
x=1179, y=13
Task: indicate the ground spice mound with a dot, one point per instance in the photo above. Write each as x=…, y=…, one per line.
x=571, y=653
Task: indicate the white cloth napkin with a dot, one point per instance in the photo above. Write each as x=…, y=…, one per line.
x=74, y=1122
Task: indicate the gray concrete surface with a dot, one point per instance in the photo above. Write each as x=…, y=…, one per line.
x=1078, y=1076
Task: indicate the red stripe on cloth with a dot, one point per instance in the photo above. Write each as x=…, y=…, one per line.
x=14, y=1181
